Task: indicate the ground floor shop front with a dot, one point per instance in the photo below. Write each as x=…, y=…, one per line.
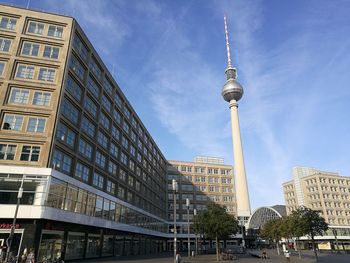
x=52, y=239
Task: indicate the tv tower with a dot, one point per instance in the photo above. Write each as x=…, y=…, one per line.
x=232, y=92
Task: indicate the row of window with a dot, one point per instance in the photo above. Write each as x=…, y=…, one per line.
x=73, y=114
x=36, y=50
x=25, y=97
x=201, y=170
x=36, y=28
x=15, y=122
x=35, y=72
x=28, y=152
x=95, y=90
x=63, y=162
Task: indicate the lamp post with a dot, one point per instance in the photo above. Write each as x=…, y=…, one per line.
x=13, y=226
x=188, y=227
x=195, y=234
x=174, y=183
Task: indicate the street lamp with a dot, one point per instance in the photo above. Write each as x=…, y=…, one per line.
x=175, y=188
x=195, y=234
x=188, y=227
x=13, y=226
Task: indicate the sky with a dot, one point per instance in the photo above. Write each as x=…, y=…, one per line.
x=293, y=62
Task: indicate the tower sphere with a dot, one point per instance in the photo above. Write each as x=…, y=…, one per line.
x=232, y=90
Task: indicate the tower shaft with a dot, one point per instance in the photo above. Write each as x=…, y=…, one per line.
x=242, y=194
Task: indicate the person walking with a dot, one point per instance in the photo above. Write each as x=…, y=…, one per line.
x=264, y=254
x=287, y=255
x=178, y=257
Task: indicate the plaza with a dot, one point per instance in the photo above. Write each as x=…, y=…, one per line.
x=307, y=257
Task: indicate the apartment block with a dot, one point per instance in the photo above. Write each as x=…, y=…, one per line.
x=93, y=179
x=320, y=190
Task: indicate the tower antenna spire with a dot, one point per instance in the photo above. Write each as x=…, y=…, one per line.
x=227, y=45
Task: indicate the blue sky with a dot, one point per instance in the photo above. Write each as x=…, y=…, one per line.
x=293, y=61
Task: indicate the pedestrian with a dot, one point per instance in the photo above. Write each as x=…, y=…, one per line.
x=31, y=256
x=178, y=257
x=287, y=255
x=264, y=254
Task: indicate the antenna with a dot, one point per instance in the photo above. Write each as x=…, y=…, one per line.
x=227, y=46
x=28, y=3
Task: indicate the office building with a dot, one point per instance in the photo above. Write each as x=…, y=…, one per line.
x=205, y=180
x=327, y=192
x=93, y=179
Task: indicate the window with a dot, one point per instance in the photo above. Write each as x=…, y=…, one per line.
x=104, y=121
x=90, y=106
x=66, y=135
x=74, y=89
x=114, y=150
x=2, y=68
x=118, y=100
x=70, y=111
x=116, y=116
x=95, y=68
x=51, y=52
x=110, y=187
x=36, y=124
x=112, y=168
x=126, y=127
x=125, y=142
x=130, y=181
x=5, y=44
x=133, y=136
x=82, y=172
x=8, y=23
x=106, y=103
x=30, y=153
x=88, y=127
x=80, y=47
x=93, y=87
x=127, y=112
x=100, y=159
x=115, y=133
x=25, y=72
x=132, y=150
x=12, y=122
x=19, y=96
x=122, y=175
x=102, y=139
x=46, y=74
x=108, y=86
x=30, y=49
x=124, y=158
x=85, y=148
x=35, y=28
x=62, y=161
x=77, y=67
x=41, y=98
x=7, y=151
x=55, y=31
x=98, y=180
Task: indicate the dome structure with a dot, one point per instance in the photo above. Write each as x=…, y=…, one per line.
x=232, y=90
x=264, y=214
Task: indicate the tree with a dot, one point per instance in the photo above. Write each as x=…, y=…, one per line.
x=216, y=223
x=272, y=231
x=309, y=222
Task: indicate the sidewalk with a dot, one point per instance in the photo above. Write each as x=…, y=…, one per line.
x=307, y=257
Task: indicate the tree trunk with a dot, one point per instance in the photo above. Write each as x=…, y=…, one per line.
x=297, y=247
x=314, y=247
x=217, y=249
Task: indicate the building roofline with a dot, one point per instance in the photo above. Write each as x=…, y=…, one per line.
x=35, y=10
